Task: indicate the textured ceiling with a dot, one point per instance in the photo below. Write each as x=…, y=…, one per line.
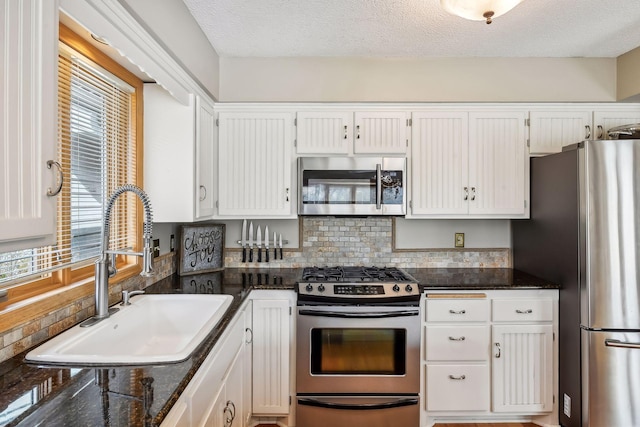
x=416, y=28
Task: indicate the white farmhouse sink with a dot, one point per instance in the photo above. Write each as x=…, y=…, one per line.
x=153, y=329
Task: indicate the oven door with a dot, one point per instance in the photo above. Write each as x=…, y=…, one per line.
x=350, y=411
x=358, y=349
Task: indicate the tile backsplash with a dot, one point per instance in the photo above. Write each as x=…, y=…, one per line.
x=368, y=241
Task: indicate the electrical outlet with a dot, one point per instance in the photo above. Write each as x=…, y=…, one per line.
x=156, y=248
x=459, y=240
x=567, y=405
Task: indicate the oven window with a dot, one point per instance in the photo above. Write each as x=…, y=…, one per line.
x=342, y=351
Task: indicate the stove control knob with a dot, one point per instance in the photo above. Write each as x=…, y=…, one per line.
x=321, y=288
x=408, y=288
x=396, y=288
x=309, y=288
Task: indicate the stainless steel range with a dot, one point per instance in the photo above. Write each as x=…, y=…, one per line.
x=358, y=347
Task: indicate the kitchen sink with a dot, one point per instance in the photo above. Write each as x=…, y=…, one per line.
x=153, y=329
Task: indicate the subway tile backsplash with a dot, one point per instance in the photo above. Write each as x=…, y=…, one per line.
x=368, y=241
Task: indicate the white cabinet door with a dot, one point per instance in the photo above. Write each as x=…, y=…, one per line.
x=380, y=132
x=271, y=335
x=28, y=112
x=255, y=164
x=247, y=369
x=204, y=161
x=324, y=132
x=522, y=368
x=549, y=131
x=605, y=120
x=439, y=163
x=497, y=163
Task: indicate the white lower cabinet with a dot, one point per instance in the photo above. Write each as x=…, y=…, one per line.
x=490, y=356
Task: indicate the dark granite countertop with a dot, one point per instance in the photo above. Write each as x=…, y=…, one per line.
x=143, y=396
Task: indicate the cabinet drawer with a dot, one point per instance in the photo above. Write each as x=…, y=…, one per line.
x=522, y=310
x=458, y=388
x=457, y=310
x=457, y=343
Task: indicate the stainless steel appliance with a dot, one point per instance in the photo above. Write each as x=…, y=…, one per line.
x=584, y=234
x=351, y=185
x=358, y=348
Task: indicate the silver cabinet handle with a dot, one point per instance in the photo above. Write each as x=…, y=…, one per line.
x=466, y=193
x=358, y=132
x=457, y=312
x=202, y=187
x=621, y=344
x=457, y=378
x=587, y=134
x=457, y=339
x=473, y=193
x=499, y=350
x=250, y=334
x=345, y=132
x=600, y=132
x=286, y=196
x=60, y=174
x=528, y=311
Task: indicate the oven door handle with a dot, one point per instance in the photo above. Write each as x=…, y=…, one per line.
x=358, y=407
x=366, y=315
x=378, y=186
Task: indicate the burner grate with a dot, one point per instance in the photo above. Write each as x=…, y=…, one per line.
x=354, y=274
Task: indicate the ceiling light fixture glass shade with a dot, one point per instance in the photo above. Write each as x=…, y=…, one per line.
x=479, y=10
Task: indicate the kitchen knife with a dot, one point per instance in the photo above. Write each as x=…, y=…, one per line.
x=251, y=241
x=243, y=240
x=280, y=245
x=259, y=244
x=275, y=246
x=266, y=244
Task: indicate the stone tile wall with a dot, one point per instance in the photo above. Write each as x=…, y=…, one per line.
x=369, y=241
x=38, y=330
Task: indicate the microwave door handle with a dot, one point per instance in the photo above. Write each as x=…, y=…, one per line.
x=378, y=186
x=358, y=407
x=369, y=315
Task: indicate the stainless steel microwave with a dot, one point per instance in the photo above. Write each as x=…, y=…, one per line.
x=352, y=185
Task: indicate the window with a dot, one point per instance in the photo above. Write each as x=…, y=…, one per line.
x=98, y=111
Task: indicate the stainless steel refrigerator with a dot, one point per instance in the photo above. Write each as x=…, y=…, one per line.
x=584, y=233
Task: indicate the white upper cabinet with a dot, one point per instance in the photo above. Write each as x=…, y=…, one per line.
x=348, y=133
x=329, y=132
x=255, y=165
x=439, y=163
x=28, y=112
x=497, y=163
x=603, y=121
x=179, y=167
x=469, y=165
x=549, y=131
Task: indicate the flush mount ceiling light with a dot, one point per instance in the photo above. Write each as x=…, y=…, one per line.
x=479, y=10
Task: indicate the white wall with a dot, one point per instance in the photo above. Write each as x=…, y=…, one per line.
x=171, y=23
x=629, y=75
x=429, y=80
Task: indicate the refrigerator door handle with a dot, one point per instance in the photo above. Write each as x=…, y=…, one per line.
x=621, y=344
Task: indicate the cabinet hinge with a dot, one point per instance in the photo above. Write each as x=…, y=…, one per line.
x=289, y=400
x=410, y=204
x=554, y=336
x=216, y=203
x=525, y=203
x=409, y=122
x=527, y=122
x=295, y=142
x=295, y=121
x=554, y=399
x=217, y=122
x=528, y=143
x=407, y=142
x=290, y=311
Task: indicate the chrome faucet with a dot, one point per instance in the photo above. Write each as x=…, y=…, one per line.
x=106, y=264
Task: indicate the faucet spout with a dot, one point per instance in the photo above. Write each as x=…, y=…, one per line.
x=105, y=269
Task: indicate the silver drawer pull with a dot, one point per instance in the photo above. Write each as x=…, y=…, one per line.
x=458, y=378
x=529, y=311
x=456, y=339
x=457, y=312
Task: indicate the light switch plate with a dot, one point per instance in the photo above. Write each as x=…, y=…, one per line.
x=459, y=240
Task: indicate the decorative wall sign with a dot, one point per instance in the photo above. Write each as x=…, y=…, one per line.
x=201, y=248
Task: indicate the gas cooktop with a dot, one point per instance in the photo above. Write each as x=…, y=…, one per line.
x=356, y=282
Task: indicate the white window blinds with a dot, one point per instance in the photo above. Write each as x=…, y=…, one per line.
x=97, y=151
